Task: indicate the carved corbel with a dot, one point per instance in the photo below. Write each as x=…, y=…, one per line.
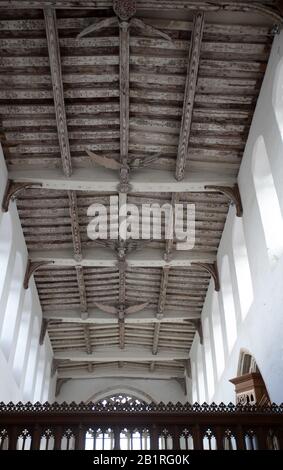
x=13, y=189
x=125, y=9
x=212, y=270
x=232, y=193
x=32, y=266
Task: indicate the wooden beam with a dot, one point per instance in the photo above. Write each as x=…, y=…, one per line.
x=88, y=344
x=124, y=372
x=163, y=291
x=102, y=180
x=156, y=338
x=124, y=88
x=76, y=234
x=57, y=84
x=102, y=257
x=82, y=291
x=121, y=323
x=113, y=354
x=189, y=97
x=96, y=317
x=228, y=5
x=170, y=241
x=43, y=330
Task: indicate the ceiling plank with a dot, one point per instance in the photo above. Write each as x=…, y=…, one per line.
x=189, y=97
x=57, y=84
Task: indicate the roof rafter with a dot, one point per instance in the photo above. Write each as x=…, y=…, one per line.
x=189, y=97
x=57, y=84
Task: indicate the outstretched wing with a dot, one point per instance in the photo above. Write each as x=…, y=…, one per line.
x=140, y=162
x=97, y=26
x=136, y=308
x=105, y=243
x=135, y=245
x=149, y=29
x=109, y=163
x=106, y=308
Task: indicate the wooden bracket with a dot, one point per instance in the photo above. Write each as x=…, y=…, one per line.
x=182, y=382
x=212, y=270
x=59, y=384
x=32, y=266
x=188, y=368
x=198, y=325
x=13, y=189
x=232, y=193
x=43, y=330
x=54, y=366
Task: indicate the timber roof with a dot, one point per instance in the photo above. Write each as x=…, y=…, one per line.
x=179, y=89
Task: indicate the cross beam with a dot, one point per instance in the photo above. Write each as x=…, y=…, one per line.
x=228, y=5
x=103, y=257
x=115, y=354
x=126, y=372
x=96, y=317
x=103, y=180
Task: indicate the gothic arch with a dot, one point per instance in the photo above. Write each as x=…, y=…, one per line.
x=121, y=389
x=246, y=363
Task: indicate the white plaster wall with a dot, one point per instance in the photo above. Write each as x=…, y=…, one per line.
x=96, y=389
x=261, y=331
x=11, y=385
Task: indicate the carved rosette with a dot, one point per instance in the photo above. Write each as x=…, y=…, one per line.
x=125, y=9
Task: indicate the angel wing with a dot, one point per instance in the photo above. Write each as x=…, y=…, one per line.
x=109, y=163
x=135, y=245
x=106, y=308
x=149, y=29
x=105, y=243
x=136, y=308
x=140, y=162
x=97, y=26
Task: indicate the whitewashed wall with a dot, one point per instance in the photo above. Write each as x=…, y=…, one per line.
x=147, y=390
x=20, y=317
x=247, y=314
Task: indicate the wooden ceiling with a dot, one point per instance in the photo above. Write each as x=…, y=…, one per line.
x=171, y=91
